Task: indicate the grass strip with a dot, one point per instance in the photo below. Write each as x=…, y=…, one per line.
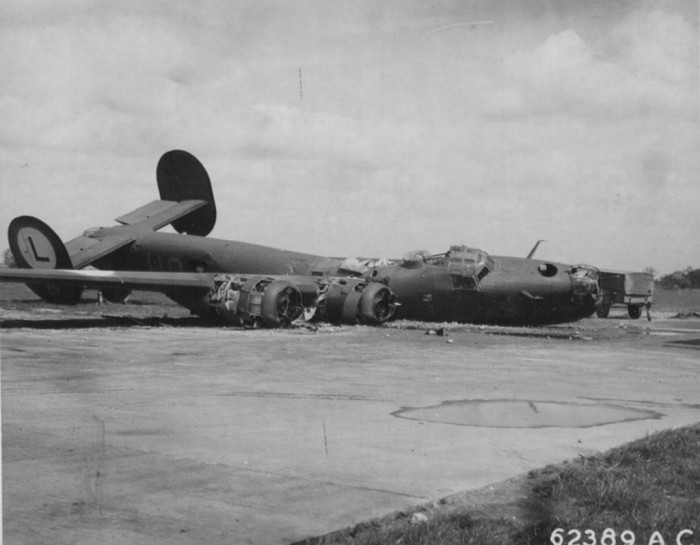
x=644, y=492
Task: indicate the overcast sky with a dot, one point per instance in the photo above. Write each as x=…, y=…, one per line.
x=367, y=127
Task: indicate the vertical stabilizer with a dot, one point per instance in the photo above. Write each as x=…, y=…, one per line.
x=35, y=245
x=181, y=177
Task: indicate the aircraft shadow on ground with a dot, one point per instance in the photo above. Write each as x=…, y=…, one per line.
x=103, y=322
x=685, y=343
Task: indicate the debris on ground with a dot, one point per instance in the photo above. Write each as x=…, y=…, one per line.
x=688, y=314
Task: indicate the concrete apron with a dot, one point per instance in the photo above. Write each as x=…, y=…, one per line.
x=173, y=435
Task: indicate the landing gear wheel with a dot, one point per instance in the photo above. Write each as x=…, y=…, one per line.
x=634, y=311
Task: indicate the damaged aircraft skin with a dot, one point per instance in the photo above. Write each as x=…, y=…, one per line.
x=252, y=285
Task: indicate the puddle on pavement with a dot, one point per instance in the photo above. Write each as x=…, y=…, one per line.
x=525, y=414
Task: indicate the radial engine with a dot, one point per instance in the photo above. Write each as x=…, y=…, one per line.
x=255, y=301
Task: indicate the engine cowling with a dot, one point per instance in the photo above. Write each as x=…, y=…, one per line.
x=255, y=301
x=353, y=301
x=377, y=304
x=278, y=302
x=281, y=304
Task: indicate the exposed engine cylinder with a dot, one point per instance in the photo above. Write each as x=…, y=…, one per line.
x=255, y=301
x=585, y=285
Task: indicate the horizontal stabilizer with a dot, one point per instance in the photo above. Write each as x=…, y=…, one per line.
x=157, y=214
x=186, y=203
x=80, y=243
x=101, y=249
x=84, y=250
x=147, y=281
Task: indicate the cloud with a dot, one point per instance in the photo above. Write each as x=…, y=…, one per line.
x=494, y=136
x=647, y=64
x=69, y=86
x=656, y=46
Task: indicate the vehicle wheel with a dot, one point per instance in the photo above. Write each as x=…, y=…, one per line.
x=602, y=311
x=635, y=311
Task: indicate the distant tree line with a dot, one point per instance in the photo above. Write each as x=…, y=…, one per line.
x=688, y=278
x=8, y=260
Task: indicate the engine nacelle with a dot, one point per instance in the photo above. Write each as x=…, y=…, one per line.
x=278, y=301
x=255, y=301
x=353, y=301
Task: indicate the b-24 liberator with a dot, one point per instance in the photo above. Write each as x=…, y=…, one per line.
x=252, y=285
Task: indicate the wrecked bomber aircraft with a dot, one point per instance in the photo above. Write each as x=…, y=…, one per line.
x=252, y=285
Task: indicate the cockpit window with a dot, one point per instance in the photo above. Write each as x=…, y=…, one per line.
x=468, y=266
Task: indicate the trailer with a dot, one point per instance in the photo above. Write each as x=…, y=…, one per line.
x=634, y=290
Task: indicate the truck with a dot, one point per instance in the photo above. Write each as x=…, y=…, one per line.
x=634, y=290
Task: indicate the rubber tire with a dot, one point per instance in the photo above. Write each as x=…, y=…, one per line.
x=634, y=311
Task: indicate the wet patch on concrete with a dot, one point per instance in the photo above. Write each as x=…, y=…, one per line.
x=525, y=414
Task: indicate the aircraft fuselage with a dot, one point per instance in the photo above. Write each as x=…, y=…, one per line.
x=509, y=290
x=513, y=293
x=463, y=284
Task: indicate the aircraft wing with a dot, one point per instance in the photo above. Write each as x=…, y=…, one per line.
x=248, y=300
x=147, y=281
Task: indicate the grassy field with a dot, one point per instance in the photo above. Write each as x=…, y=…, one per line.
x=645, y=492
x=677, y=300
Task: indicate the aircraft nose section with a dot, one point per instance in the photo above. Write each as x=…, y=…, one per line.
x=585, y=286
